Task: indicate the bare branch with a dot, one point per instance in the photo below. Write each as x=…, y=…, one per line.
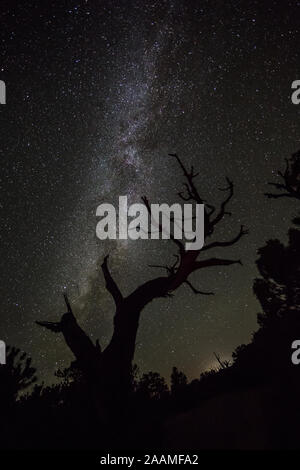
x=206, y=263
x=67, y=303
x=223, y=364
x=222, y=210
x=190, y=187
x=211, y=207
x=170, y=269
x=196, y=291
x=52, y=326
x=276, y=196
x=160, y=266
x=234, y=240
x=175, y=240
x=116, y=359
x=184, y=198
x=57, y=327
x=188, y=190
x=111, y=286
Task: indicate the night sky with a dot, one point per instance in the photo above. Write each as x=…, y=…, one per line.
x=98, y=94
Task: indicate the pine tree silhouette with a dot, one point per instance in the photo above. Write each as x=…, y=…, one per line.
x=278, y=291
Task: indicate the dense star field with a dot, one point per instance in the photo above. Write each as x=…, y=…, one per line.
x=98, y=94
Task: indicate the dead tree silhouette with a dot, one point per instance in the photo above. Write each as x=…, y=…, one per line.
x=109, y=371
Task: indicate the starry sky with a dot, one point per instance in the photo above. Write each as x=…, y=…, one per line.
x=98, y=94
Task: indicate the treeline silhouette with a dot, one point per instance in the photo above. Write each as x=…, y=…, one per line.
x=102, y=401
